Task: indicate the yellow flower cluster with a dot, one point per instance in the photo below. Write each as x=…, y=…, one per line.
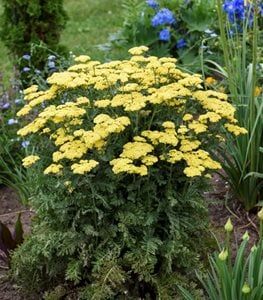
x=30, y=160
x=84, y=166
x=140, y=106
x=134, y=151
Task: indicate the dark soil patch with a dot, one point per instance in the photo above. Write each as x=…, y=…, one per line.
x=10, y=207
x=222, y=205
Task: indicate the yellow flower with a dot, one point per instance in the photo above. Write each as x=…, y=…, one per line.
x=53, y=169
x=82, y=58
x=197, y=127
x=30, y=160
x=102, y=103
x=138, y=50
x=149, y=160
x=136, y=150
x=168, y=125
x=236, y=130
x=211, y=116
x=210, y=80
x=33, y=88
x=84, y=166
x=192, y=171
x=257, y=91
x=125, y=165
x=172, y=156
x=188, y=145
x=83, y=100
x=260, y=214
x=24, y=111
x=187, y=117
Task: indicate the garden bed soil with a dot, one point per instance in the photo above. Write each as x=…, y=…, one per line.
x=221, y=203
x=10, y=207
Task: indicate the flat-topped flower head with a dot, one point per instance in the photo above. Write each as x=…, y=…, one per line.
x=138, y=50
x=131, y=116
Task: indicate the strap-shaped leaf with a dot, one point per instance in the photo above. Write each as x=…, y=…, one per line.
x=6, y=241
x=18, y=233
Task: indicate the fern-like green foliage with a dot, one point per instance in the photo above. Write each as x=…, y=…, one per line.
x=117, y=240
x=135, y=25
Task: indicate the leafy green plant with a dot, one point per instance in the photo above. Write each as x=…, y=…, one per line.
x=241, y=278
x=123, y=151
x=9, y=241
x=32, y=73
x=176, y=28
x=240, y=157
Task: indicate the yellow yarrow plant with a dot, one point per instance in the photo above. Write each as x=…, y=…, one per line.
x=129, y=116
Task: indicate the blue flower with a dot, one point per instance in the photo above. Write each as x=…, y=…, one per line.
x=51, y=57
x=25, y=144
x=152, y=3
x=17, y=101
x=51, y=64
x=12, y=121
x=163, y=17
x=26, y=69
x=26, y=56
x=180, y=43
x=6, y=105
x=237, y=11
x=164, y=35
x=37, y=71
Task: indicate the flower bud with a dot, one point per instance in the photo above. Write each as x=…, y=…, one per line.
x=246, y=289
x=254, y=248
x=223, y=255
x=260, y=214
x=228, y=226
x=245, y=236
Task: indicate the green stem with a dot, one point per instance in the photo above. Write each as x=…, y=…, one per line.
x=224, y=44
x=252, y=111
x=260, y=230
x=228, y=248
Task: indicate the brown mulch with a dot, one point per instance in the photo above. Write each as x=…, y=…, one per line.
x=222, y=205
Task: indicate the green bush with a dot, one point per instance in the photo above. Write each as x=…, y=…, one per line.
x=122, y=153
x=32, y=23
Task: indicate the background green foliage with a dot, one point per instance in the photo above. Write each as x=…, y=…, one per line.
x=192, y=19
x=32, y=27
x=26, y=22
x=80, y=34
